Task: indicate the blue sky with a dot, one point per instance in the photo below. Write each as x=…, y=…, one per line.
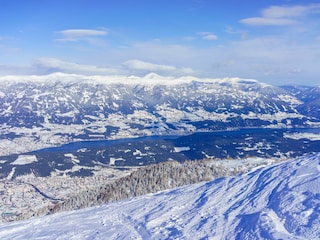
x=277, y=42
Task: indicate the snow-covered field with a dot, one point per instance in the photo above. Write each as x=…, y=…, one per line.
x=280, y=201
x=25, y=159
x=311, y=136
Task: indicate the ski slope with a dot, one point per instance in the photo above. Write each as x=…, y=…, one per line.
x=281, y=201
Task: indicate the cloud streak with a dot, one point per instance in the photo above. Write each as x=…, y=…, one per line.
x=51, y=65
x=290, y=11
x=75, y=35
x=82, y=33
x=281, y=15
x=265, y=21
x=208, y=36
x=138, y=65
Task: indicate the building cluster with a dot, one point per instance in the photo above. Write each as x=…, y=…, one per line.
x=27, y=194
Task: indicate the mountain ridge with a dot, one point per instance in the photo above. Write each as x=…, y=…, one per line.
x=95, y=109
x=58, y=109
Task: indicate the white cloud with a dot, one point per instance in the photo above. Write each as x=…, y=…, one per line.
x=83, y=32
x=290, y=11
x=50, y=65
x=141, y=65
x=260, y=21
x=208, y=36
x=151, y=67
x=91, y=37
x=73, y=35
x=281, y=15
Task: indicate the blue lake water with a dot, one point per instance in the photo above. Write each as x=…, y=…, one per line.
x=103, y=143
x=106, y=143
x=142, y=151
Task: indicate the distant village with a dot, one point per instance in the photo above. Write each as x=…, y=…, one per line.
x=27, y=194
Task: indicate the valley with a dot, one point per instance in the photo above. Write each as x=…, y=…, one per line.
x=63, y=138
x=169, y=120
x=60, y=108
x=85, y=158
x=72, y=169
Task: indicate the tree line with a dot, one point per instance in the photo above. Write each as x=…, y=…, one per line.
x=149, y=179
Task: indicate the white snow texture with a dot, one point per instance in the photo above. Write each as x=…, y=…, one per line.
x=281, y=201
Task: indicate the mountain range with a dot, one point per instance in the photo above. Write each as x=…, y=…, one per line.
x=146, y=120
x=50, y=110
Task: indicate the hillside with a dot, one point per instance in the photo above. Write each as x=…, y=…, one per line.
x=275, y=202
x=143, y=120
x=45, y=111
x=310, y=98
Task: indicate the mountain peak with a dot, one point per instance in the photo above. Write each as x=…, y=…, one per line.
x=153, y=75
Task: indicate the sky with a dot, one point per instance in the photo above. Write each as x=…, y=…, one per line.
x=273, y=41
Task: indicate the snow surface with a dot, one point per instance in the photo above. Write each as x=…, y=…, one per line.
x=149, y=79
x=181, y=149
x=281, y=201
x=311, y=136
x=25, y=159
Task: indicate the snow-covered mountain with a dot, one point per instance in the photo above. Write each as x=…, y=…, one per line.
x=311, y=99
x=38, y=112
x=44, y=111
x=310, y=96
x=280, y=201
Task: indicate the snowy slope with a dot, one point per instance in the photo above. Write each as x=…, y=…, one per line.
x=310, y=96
x=276, y=202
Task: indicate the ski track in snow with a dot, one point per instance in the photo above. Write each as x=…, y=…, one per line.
x=281, y=201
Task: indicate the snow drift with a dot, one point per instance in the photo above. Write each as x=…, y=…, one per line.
x=281, y=201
